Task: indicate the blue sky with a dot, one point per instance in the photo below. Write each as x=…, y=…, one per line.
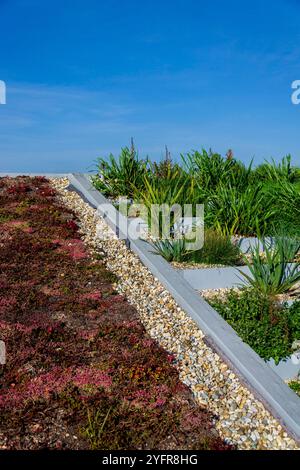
x=83, y=77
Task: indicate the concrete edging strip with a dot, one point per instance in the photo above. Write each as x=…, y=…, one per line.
x=281, y=401
x=217, y=278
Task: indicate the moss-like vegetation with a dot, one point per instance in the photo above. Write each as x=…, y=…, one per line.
x=268, y=327
x=79, y=361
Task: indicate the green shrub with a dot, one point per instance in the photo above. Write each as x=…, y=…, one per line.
x=174, y=189
x=241, y=176
x=238, y=200
x=217, y=249
x=122, y=176
x=165, y=168
x=268, y=328
x=281, y=172
x=285, y=199
x=210, y=170
x=272, y=273
x=233, y=211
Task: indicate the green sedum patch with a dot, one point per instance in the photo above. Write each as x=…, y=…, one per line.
x=269, y=328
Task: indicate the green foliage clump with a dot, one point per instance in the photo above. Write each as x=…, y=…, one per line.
x=284, y=197
x=276, y=271
x=269, y=328
x=235, y=211
x=122, y=176
x=167, y=192
x=165, y=167
x=238, y=199
x=4, y=217
x=171, y=249
x=217, y=249
x=281, y=172
x=210, y=170
x=295, y=386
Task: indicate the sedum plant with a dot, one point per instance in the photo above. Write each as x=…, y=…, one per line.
x=276, y=271
x=269, y=328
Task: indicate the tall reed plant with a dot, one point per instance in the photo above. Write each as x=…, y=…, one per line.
x=120, y=176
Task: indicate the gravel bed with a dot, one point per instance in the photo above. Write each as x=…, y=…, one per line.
x=221, y=294
x=241, y=419
x=213, y=294
x=186, y=265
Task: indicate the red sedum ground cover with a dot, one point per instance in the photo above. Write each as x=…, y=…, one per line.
x=81, y=371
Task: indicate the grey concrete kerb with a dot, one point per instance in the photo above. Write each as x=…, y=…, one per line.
x=253, y=371
x=216, y=278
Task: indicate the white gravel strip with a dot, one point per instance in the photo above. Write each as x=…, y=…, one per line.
x=240, y=418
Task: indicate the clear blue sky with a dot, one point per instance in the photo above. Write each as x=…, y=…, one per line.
x=84, y=76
